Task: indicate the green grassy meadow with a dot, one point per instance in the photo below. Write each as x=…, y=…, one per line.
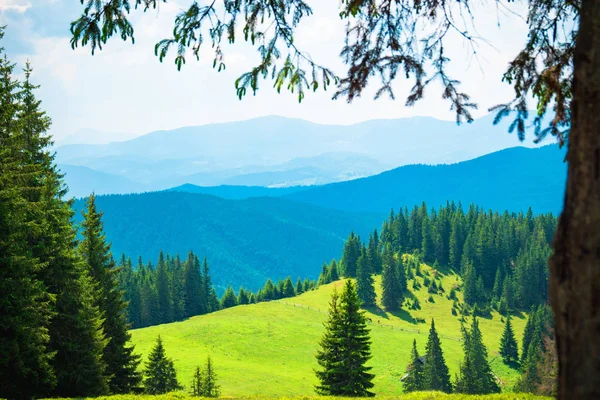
x=268, y=349
x=410, y=396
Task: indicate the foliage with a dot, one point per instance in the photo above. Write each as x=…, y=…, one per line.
x=345, y=348
x=160, y=375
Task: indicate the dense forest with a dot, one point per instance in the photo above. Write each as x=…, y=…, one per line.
x=502, y=258
x=176, y=289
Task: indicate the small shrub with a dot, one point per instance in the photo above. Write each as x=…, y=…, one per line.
x=454, y=312
x=430, y=299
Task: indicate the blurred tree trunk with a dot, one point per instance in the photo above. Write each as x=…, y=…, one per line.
x=575, y=265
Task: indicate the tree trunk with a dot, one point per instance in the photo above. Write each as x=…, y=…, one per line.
x=575, y=265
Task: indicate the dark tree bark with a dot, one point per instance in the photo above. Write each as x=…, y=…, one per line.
x=575, y=265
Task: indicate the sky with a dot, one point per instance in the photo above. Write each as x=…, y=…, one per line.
x=124, y=89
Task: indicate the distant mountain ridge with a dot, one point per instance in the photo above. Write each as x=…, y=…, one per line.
x=277, y=151
x=513, y=179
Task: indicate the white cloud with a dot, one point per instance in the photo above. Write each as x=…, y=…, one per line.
x=124, y=88
x=14, y=5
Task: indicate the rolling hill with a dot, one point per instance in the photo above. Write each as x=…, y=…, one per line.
x=513, y=179
x=268, y=349
x=246, y=241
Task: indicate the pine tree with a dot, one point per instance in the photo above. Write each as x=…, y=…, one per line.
x=160, y=375
x=345, y=348
x=25, y=306
x=192, y=286
x=210, y=386
x=299, y=286
x=470, y=285
x=288, y=288
x=198, y=383
x=476, y=376
x=364, y=280
x=435, y=370
x=333, y=271
x=242, y=297
x=121, y=363
x=163, y=290
x=350, y=256
x=508, y=344
x=229, y=298
x=75, y=330
x=391, y=290
x=414, y=372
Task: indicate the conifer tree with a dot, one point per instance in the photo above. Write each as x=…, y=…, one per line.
x=352, y=250
x=435, y=370
x=324, y=275
x=508, y=344
x=229, y=298
x=192, y=286
x=75, y=330
x=243, y=297
x=210, y=386
x=414, y=378
x=364, y=280
x=198, y=383
x=333, y=271
x=476, y=376
x=160, y=375
x=121, y=362
x=391, y=290
x=163, y=289
x=345, y=348
x=25, y=369
x=288, y=288
x=299, y=286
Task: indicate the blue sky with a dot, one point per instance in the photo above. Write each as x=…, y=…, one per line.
x=124, y=88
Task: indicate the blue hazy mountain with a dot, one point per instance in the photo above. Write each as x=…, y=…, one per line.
x=277, y=151
x=83, y=180
x=245, y=241
x=512, y=179
x=237, y=192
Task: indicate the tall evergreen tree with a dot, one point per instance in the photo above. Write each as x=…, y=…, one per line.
x=435, y=370
x=192, y=286
x=345, y=348
x=160, y=374
x=25, y=306
x=508, y=344
x=364, y=280
x=476, y=376
x=121, y=362
x=391, y=291
x=75, y=330
x=164, y=292
x=414, y=373
x=350, y=256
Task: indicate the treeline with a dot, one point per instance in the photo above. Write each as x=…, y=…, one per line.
x=176, y=289
x=502, y=258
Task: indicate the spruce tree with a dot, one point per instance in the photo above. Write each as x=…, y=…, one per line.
x=435, y=370
x=229, y=298
x=121, y=363
x=476, y=376
x=508, y=344
x=333, y=271
x=345, y=348
x=197, y=383
x=192, y=286
x=288, y=288
x=299, y=286
x=210, y=386
x=391, y=291
x=163, y=290
x=364, y=280
x=414, y=372
x=25, y=306
x=160, y=375
x=242, y=297
x=350, y=256
x=75, y=331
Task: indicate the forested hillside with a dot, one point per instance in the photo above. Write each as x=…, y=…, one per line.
x=246, y=241
x=512, y=179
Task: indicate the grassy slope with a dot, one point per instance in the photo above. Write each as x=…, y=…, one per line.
x=268, y=349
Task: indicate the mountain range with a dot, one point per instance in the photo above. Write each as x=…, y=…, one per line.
x=275, y=152
x=251, y=233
